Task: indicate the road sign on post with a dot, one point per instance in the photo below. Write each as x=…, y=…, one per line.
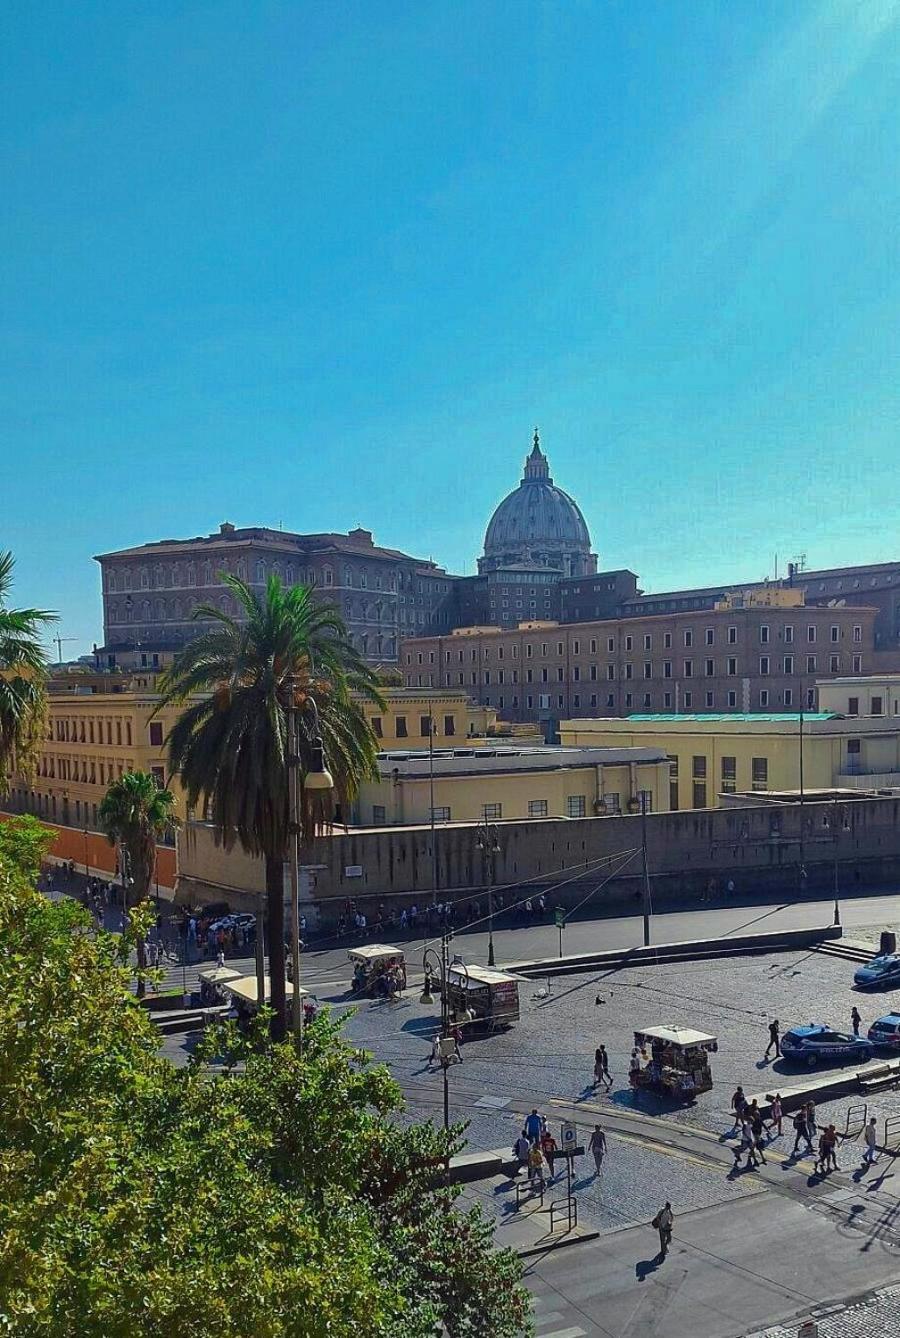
x=560, y=914
x=568, y=1136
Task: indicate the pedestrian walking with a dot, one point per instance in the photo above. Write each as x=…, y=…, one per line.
x=533, y=1126
x=774, y=1038
x=521, y=1149
x=776, y=1114
x=548, y=1147
x=801, y=1131
x=811, y=1118
x=597, y=1145
x=870, y=1138
x=831, y=1141
x=738, y=1102
x=855, y=1019
x=756, y=1124
x=664, y=1221
x=536, y=1165
x=605, y=1074
x=598, y=1066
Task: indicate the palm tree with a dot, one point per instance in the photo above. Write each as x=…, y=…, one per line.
x=238, y=682
x=134, y=814
x=23, y=672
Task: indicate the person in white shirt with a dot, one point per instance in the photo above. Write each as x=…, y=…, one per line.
x=871, y=1140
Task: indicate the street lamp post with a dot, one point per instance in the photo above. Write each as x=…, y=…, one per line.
x=87, y=871
x=802, y=847
x=645, y=868
x=487, y=840
x=427, y=998
x=317, y=778
x=431, y=806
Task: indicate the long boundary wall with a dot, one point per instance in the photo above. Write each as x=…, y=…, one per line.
x=756, y=847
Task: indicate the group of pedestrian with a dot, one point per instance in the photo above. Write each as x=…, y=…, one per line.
x=535, y=1147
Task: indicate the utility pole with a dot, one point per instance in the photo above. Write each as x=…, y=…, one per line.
x=431, y=805
x=835, y=833
x=487, y=840
x=293, y=761
x=802, y=870
x=646, y=869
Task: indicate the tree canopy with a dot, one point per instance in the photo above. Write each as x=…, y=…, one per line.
x=266, y=1194
x=22, y=673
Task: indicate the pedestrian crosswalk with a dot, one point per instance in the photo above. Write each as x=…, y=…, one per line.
x=553, y=1318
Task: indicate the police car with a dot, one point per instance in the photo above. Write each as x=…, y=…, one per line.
x=883, y=971
x=885, y=1031
x=819, y=1044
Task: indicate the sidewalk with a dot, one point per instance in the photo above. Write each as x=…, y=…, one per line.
x=875, y=1316
x=731, y=1270
x=523, y=1221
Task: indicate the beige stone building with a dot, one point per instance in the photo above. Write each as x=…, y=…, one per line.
x=743, y=655
x=508, y=782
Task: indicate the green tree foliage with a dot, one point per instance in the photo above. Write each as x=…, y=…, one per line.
x=23, y=669
x=229, y=746
x=266, y=1196
x=135, y=814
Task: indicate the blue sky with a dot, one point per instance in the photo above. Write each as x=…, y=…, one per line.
x=327, y=265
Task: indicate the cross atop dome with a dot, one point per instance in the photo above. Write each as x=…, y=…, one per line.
x=537, y=465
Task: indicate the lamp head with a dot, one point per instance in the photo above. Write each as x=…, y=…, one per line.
x=318, y=777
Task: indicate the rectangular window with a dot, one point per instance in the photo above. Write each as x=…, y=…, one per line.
x=575, y=806
x=732, y=699
x=788, y=664
x=376, y=727
x=688, y=700
x=811, y=634
x=788, y=635
x=401, y=727
x=537, y=808
x=732, y=666
x=648, y=641
x=710, y=700
x=667, y=668
x=648, y=669
x=449, y=726
x=575, y=647
x=629, y=642
x=834, y=664
x=610, y=672
x=759, y=773
x=667, y=641
x=159, y=776
x=425, y=726
x=853, y=706
x=857, y=664
x=764, y=633
x=610, y=644
x=156, y=734
x=709, y=668
x=698, y=766
x=441, y=814
x=688, y=636
x=878, y=706
x=593, y=673
x=710, y=635
x=492, y=811
x=699, y=794
x=857, y=633
x=789, y=696
x=379, y=815
x=763, y=664
x=628, y=701
x=764, y=697
x=593, y=645
x=629, y=671
x=689, y=668
x=667, y=701
x=729, y=775
x=835, y=633
x=732, y=636
x=810, y=664
x=854, y=746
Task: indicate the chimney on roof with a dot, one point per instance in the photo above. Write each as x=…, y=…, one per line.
x=226, y=527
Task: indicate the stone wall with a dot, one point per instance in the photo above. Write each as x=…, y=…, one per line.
x=757, y=847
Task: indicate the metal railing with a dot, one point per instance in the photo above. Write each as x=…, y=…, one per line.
x=570, y=1205
x=528, y=1191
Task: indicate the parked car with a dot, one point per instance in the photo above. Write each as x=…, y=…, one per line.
x=818, y=1043
x=885, y=1031
x=881, y=971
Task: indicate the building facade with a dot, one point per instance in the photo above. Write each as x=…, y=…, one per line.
x=505, y=783
x=150, y=592
x=99, y=726
x=740, y=656
x=871, y=695
x=714, y=757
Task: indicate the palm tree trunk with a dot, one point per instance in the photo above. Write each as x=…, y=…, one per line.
x=275, y=917
x=141, y=967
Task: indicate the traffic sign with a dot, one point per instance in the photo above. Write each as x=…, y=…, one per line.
x=568, y=1137
x=560, y=914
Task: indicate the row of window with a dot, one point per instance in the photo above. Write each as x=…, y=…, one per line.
x=86, y=770
x=763, y=699
x=86, y=729
x=876, y=706
x=629, y=641
x=401, y=729
x=576, y=807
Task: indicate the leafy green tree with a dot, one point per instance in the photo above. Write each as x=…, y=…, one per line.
x=238, y=683
x=23, y=670
x=136, y=813
x=265, y=1195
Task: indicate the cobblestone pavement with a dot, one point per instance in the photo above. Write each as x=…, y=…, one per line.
x=876, y=1316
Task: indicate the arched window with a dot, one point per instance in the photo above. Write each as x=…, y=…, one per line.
x=329, y=575
x=289, y=574
x=191, y=574
x=260, y=570
x=161, y=608
x=348, y=576
x=145, y=610
x=242, y=569
x=145, y=579
x=207, y=573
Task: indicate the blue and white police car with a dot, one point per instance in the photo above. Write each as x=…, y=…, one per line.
x=881, y=971
x=818, y=1044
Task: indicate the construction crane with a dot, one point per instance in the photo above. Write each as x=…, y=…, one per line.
x=58, y=642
